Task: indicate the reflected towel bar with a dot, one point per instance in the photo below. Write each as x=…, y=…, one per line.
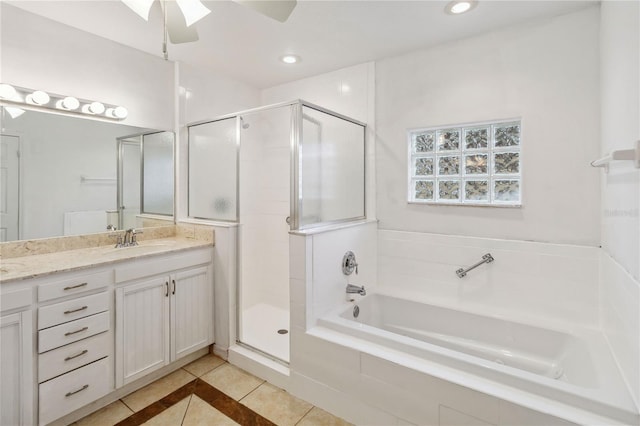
x=96, y=179
x=619, y=155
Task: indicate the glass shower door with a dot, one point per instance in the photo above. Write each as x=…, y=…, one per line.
x=265, y=155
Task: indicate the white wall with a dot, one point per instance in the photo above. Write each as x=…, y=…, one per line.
x=42, y=54
x=620, y=262
x=55, y=152
x=545, y=72
x=348, y=91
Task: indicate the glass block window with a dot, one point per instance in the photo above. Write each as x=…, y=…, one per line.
x=477, y=164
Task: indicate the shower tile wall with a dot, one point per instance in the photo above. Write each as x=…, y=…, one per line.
x=526, y=278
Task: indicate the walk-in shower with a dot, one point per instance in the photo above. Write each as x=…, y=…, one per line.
x=287, y=167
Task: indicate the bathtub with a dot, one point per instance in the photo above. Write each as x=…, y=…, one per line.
x=573, y=367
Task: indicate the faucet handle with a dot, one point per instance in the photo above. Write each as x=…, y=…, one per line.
x=349, y=263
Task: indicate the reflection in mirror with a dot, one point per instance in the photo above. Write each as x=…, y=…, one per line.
x=59, y=175
x=157, y=173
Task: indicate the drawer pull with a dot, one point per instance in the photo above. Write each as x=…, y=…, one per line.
x=75, y=392
x=75, y=310
x=77, y=331
x=71, y=287
x=69, y=358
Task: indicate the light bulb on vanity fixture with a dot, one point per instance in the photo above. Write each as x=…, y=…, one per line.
x=93, y=108
x=117, y=112
x=68, y=104
x=38, y=98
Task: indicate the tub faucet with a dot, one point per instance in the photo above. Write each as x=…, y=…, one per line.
x=354, y=289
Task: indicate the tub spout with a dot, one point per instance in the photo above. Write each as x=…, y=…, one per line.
x=354, y=289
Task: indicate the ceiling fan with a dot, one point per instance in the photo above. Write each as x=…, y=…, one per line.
x=180, y=15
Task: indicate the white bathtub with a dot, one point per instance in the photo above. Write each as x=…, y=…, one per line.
x=571, y=367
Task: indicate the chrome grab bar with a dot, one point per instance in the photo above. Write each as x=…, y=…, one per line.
x=487, y=258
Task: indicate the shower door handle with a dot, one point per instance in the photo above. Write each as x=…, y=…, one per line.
x=288, y=220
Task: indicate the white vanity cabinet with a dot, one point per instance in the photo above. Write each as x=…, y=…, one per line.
x=164, y=311
x=16, y=358
x=75, y=341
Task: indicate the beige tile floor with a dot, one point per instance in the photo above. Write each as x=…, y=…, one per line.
x=263, y=398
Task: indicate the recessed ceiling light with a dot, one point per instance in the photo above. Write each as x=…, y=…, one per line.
x=458, y=7
x=290, y=59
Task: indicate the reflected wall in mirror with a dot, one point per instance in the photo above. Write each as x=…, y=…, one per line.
x=59, y=175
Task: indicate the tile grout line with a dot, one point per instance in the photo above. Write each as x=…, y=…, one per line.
x=184, y=416
x=250, y=392
x=305, y=414
x=125, y=404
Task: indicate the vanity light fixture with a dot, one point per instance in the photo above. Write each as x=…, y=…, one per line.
x=458, y=7
x=290, y=59
x=16, y=99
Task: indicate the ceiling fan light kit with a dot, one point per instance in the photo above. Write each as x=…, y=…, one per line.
x=180, y=15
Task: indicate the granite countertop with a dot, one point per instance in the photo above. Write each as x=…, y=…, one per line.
x=25, y=267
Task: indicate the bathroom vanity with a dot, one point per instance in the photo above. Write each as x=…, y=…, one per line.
x=79, y=326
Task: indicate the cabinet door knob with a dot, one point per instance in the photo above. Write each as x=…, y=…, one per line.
x=174, y=286
x=166, y=292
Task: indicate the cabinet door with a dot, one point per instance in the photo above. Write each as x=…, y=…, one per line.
x=191, y=311
x=16, y=369
x=142, y=329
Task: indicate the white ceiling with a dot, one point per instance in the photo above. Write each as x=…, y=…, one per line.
x=327, y=35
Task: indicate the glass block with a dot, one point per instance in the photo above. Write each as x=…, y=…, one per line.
x=476, y=190
x=449, y=165
x=475, y=164
x=506, y=162
x=423, y=166
x=449, y=190
x=424, y=142
x=423, y=190
x=476, y=138
x=507, y=135
x=448, y=140
x=506, y=190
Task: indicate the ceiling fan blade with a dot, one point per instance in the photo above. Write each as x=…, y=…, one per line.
x=141, y=7
x=280, y=10
x=177, y=27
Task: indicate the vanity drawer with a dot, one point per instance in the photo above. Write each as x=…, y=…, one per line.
x=70, y=357
x=73, y=390
x=73, y=331
x=72, y=309
x=74, y=285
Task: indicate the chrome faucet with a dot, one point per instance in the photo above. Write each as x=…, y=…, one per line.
x=130, y=237
x=354, y=289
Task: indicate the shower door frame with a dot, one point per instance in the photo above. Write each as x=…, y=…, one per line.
x=295, y=198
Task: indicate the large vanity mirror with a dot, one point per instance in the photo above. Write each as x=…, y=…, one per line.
x=64, y=175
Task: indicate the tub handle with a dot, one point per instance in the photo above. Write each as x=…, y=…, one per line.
x=349, y=263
